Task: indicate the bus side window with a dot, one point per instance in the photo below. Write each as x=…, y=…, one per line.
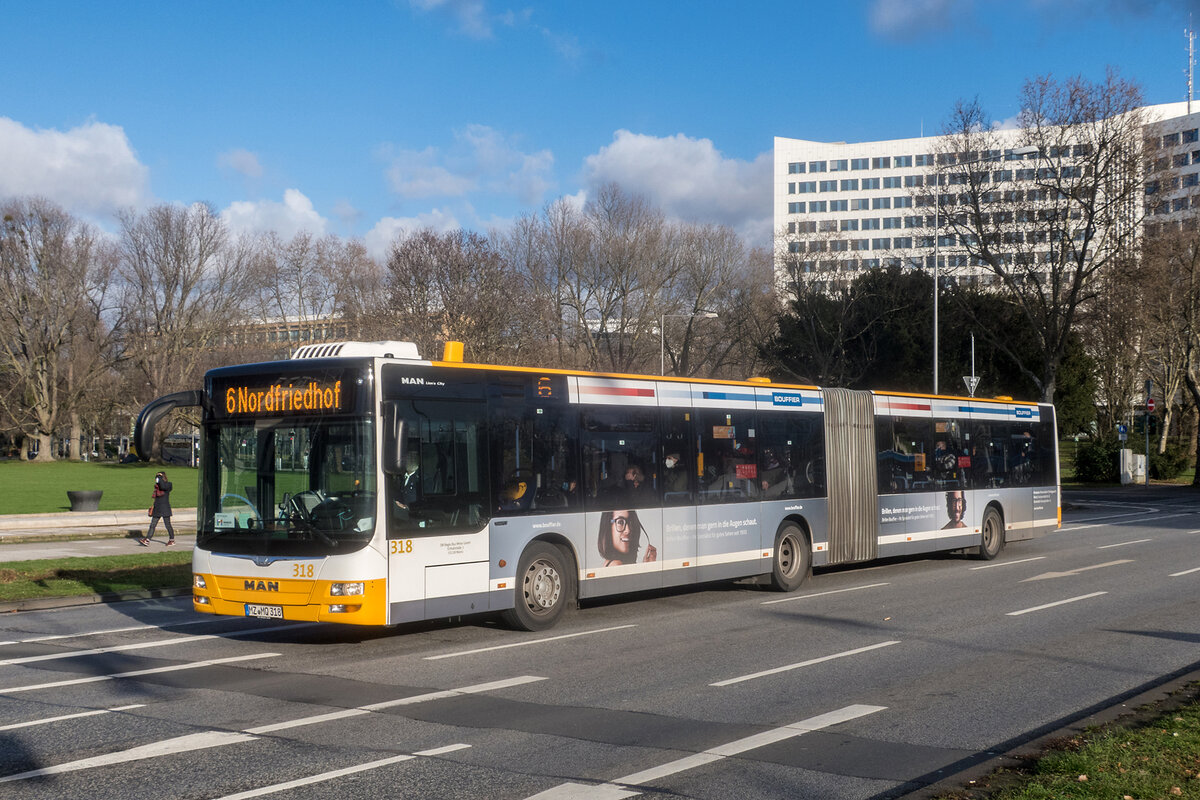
x=729, y=450
x=620, y=458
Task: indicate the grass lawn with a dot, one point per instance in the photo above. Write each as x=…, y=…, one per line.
x=1158, y=757
x=31, y=488
x=70, y=577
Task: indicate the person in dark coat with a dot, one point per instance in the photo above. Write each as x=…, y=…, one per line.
x=160, y=510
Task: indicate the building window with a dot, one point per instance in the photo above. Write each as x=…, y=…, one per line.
x=892, y=182
x=817, y=206
x=902, y=242
x=1179, y=160
x=1002, y=176
x=902, y=202
x=924, y=160
x=860, y=204
x=838, y=165
x=860, y=244
x=849, y=185
x=816, y=166
x=884, y=162
x=1171, y=140
x=828, y=186
x=881, y=244
x=839, y=205
x=870, y=224
x=827, y=225
x=795, y=167
x=849, y=225
x=891, y=222
x=793, y=247
x=914, y=222
x=806, y=227
x=904, y=161
x=870, y=183
x=795, y=208
x=881, y=202
x=839, y=245
x=1190, y=136
x=860, y=163
x=1191, y=179
x=913, y=181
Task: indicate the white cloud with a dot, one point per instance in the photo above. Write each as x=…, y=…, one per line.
x=293, y=215
x=471, y=15
x=91, y=169
x=689, y=179
x=379, y=239
x=242, y=162
x=904, y=19
x=480, y=159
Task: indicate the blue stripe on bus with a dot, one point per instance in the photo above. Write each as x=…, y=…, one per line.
x=728, y=396
x=789, y=399
x=1025, y=413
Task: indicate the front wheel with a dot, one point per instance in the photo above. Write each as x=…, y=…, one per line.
x=793, y=558
x=991, y=538
x=544, y=589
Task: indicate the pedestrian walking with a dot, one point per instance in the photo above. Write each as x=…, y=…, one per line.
x=160, y=510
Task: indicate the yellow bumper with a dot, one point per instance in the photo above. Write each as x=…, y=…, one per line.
x=299, y=600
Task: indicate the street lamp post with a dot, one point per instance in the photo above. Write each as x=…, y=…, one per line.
x=1018, y=151
x=662, y=337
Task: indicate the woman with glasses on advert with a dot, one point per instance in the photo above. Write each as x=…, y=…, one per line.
x=620, y=538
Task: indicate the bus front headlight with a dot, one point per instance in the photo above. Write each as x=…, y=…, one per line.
x=346, y=589
x=199, y=582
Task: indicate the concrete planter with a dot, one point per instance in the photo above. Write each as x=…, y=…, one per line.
x=85, y=501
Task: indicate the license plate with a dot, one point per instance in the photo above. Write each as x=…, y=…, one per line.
x=264, y=612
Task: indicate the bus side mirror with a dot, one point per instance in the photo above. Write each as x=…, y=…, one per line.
x=393, y=439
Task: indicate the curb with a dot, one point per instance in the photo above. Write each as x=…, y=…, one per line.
x=47, y=603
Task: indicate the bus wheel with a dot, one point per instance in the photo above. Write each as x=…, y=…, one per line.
x=793, y=558
x=991, y=540
x=544, y=588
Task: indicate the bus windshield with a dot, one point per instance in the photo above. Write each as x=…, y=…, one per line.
x=287, y=487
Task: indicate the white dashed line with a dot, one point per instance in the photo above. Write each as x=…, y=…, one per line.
x=48, y=720
x=1052, y=605
x=1185, y=572
x=616, y=789
x=822, y=594
x=135, y=673
x=526, y=643
x=1008, y=563
x=338, y=773
x=1122, y=544
x=808, y=663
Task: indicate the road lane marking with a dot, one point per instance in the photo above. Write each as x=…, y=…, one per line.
x=1052, y=605
x=1073, y=572
x=180, y=744
x=525, y=643
x=48, y=720
x=1150, y=521
x=614, y=790
x=338, y=773
x=822, y=594
x=200, y=741
x=1185, y=572
x=1007, y=563
x=1122, y=544
x=55, y=636
x=808, y=663
x=121, y=648
x=136, y=673
x=403, y=701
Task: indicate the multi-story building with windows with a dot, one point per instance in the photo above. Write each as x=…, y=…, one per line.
x=841, y=208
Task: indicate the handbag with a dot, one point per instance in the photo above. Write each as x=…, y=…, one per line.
x=150, y=511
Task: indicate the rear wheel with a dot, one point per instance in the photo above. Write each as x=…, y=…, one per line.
x=544, y=588
x=991, y=538
x=792, y=561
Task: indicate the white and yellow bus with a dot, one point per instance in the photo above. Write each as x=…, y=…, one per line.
x=357, y=483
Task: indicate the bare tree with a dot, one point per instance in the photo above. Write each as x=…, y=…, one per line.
x=455, y=286
x=187, y=284
x=55, y=278
x=1045, y=225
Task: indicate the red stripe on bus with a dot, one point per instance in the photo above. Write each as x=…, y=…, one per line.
x=911, y=406
x=617, y=390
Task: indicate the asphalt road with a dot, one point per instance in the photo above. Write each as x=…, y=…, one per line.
x=867, y=683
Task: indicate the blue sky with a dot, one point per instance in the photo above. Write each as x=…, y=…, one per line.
x=373, y=117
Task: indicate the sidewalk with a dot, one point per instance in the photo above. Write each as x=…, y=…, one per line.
x=24, y=537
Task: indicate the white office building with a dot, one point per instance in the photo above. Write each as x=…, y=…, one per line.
x=841, y=208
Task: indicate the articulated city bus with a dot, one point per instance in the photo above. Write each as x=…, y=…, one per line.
x=357, y=483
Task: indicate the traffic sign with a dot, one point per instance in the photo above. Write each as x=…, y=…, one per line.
x=1149, y=405
x=972, y=382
